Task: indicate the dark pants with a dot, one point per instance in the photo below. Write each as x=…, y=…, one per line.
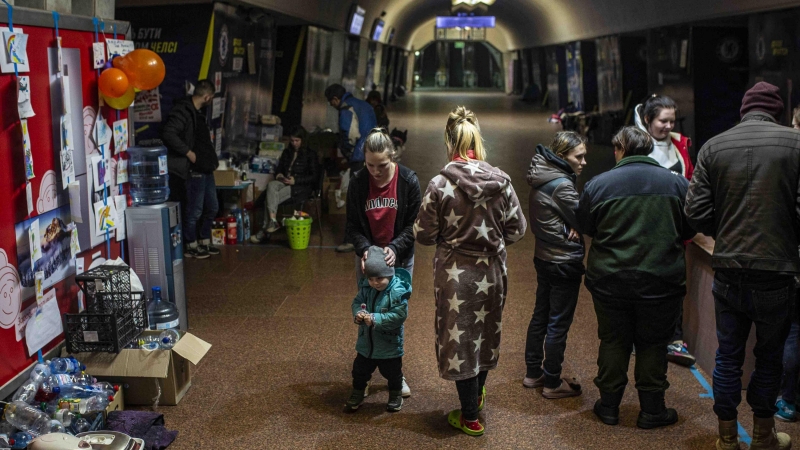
x=742, y=300
x=200, y=207
x=391, y=369
x=556, y=299
x=678, y=334
x=623, y=323
x=468, y=392
x=791, y=365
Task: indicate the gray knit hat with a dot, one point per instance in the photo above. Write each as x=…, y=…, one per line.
x=375, y=265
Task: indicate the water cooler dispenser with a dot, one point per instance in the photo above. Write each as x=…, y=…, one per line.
x=156, y=251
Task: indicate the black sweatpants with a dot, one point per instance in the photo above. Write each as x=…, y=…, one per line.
x=391, y=369
x=468, y=392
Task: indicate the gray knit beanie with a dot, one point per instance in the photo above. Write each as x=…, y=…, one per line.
x=375, y=265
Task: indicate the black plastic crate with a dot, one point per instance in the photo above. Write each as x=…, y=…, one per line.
x=106, y=288
x=106, y=332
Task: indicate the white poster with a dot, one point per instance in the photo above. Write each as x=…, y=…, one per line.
x=75, y=201
x=10, y=293
x=15, y=50
x=120, y=136
x=45, y=325
x=24, y=106
x=216, y=109
x=34, y=242
x=147, y=107
x=99, y=51
x=102, y=133
x=26, y=148
x=99, y=172
x=105, y=216
x=67, y=155
x=121, y=202
x=122, y=171
x=28, y=313
x=118, y=47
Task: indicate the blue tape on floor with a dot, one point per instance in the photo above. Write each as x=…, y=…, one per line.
x=709, y=393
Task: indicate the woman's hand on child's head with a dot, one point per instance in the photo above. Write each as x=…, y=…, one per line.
x=390, y=256
x=363, y=260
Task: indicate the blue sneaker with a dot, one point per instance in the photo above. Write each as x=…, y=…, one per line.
x=786, y=411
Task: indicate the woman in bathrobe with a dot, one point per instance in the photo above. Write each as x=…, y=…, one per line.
x=470, y=212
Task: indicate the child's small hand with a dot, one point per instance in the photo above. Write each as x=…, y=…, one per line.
x=359, y=317
x=368, y=319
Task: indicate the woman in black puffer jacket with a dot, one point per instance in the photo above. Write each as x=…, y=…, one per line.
x=296, y=176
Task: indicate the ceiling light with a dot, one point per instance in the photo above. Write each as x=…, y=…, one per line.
x=472, y=2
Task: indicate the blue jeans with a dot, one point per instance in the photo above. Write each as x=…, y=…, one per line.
x=556, y=299
x=791, y=365
x=741, y=300
x=201, y=206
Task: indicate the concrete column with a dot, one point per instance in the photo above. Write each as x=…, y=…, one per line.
x=103, y=9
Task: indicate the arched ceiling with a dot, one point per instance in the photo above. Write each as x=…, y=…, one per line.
x=523, y=23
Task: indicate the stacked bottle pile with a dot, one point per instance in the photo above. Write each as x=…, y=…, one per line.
x=59, y=397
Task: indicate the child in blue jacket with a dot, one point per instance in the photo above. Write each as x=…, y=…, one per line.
x=379, y=310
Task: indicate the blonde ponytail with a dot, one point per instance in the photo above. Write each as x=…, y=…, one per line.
x=462, y=134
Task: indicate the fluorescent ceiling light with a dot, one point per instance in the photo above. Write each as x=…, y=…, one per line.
x=472, y=2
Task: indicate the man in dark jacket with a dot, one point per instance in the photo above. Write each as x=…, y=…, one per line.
x=356, y=120
x=192, y=160
x=745, y=193
x=636, y=273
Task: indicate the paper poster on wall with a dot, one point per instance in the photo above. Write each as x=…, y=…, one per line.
x=102, y=133
x=147, y=107
x=15, y=50
x=118, y=47
x=67, y=154
x=216, y=108
x=88, y=231
x=122, y=171
x=74, y=241
x=105, y=216
x=218, y=141
x=30, y=312
x=121, y=202
x=99, y=55
x=29, y=197
x=120, y=136
x=34, y=242
x=98, y=172
x=38, y=280
x=238, y=63
x=26, y=148
x=49, y=197
x=60, y=67
x=9, y=292
x=54, y=253
x=45, y=325
x=75, y=201
x=24, y=106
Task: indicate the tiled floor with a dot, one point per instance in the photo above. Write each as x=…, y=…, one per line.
x=283, y=342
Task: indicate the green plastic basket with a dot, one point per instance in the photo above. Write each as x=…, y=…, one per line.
x=299, y=231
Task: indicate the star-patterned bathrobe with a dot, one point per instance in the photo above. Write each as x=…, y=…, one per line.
x=470, y=212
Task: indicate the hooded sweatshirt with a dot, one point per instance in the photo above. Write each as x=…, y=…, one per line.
x=673, y=153
x=552, y=205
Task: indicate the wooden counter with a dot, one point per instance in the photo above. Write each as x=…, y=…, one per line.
x=699, y=320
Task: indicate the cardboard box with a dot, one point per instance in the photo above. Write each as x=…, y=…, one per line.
x=143, y=373
x=227, y=178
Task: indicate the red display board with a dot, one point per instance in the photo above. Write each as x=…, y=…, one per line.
x=13, y=205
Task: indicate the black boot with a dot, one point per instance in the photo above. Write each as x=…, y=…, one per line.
x=607, y=408
x=654, y=412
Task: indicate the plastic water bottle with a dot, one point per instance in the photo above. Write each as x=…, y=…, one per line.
x=69, y=366
x=246, y=221
x=82, y=391
x=40, y=372
x=81, y=425
x=237, y=213
x=21, y=439
x=26, y=393
x=161, y=314
x=55, y=426
x=86, y=405
x=27, y=418
x=149, y=343
x=147, y=172
x=62, y=381
x=168, y=339
x=108, y=388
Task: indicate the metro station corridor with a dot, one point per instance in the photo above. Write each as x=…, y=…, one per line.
x=280, y=323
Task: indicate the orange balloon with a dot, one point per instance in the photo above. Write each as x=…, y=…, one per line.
x=113, y=83
x=122, y=102
x=144, y=68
